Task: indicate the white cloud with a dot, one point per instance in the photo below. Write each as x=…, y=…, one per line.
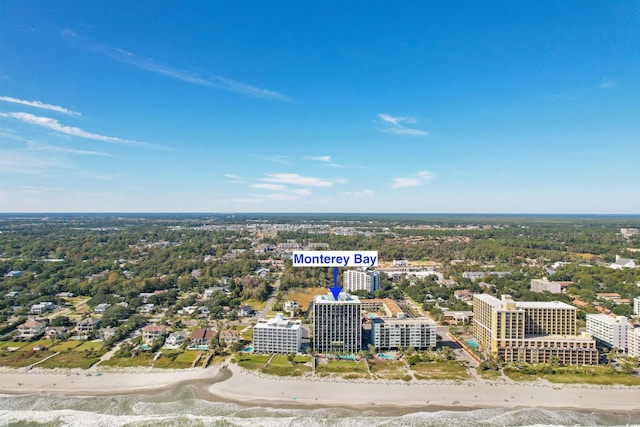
x=302, y=192
x=55, y=125
x=405, y=131
x=396, y=125
x=148, y=64
x=45, y=147
x=295, y=179
x=360, y=194
x=38, y=104
x=396, y=120
x=271, y=187
x=417, y=180
x=228, y=175
x=277, y=158
x=326, y=159
x=19, y=162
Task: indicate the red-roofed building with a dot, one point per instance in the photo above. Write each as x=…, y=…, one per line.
x=202, y=336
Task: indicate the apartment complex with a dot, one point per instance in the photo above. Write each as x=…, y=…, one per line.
x=633, y=342
x=361, y=280
x=403, y=333
x=544, y=285
x=608, y=330
x=636, y=306
x=277, y=335
x=337, y=323
x=530, y=332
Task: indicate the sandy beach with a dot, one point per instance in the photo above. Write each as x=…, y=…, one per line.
x=98, y=382
x=247, y=387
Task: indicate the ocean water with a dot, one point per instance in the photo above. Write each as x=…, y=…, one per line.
x=180, y=407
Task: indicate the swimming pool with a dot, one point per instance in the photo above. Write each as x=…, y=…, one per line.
x=248, y=349
x=472, y=343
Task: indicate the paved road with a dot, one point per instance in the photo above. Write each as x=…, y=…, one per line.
x=443, y=331
x=262, y=314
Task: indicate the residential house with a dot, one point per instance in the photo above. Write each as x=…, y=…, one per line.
x=65, y=295
x=229, y=336
x=209, y=292
x=101, y=308
x=42, y=307
x=55, y=332
x=245, y=311
x=88, y=325
x=463, y=295
x=175, y=339
x=621, y=263
x=31, y=328
x=202, y=336
x=187, y=311
x=13, y=273
x=107, y=333
x=151, y=332
x=147, y=308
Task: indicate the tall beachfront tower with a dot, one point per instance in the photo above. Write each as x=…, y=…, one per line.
x=361, y=280
x=337, y=325
x=531, y=331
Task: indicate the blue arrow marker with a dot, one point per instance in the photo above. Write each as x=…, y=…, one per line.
x=336, y=289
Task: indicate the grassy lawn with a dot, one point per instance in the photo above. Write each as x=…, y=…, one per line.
x=142, y=359
x=488, y=374
x=389, y=369
x=251, y=361
x=304, y=296
x=178, y=362
x=43, y=342
x=281, y=366
x=65, y=345
x=7, y=344
x=342, y=367
x=599, y=375
x=19, y=359
x=257, y=305
x=70, y=359
x=517, y=375
x=89, y=345
x=445, y=370
x=247, y=335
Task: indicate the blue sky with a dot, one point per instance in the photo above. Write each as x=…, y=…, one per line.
x=253, y=106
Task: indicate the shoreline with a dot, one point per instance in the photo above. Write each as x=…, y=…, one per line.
x=297, y=392
x=246, y=388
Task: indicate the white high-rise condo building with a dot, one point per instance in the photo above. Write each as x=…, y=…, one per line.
x=608, y=330
x=277, y=335
x=633, y=342
x=337, y=325
x=361, y=280
x=403, y=333
x=636, y=306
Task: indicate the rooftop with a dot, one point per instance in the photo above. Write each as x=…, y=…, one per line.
x=278, y=322
x=543, y=304
x=342, y=298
